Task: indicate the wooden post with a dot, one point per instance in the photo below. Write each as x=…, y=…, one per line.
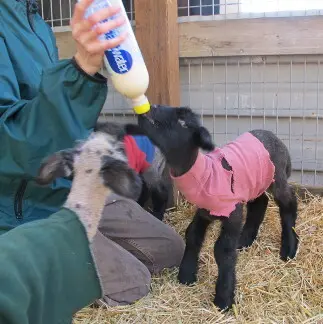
x=158, y=37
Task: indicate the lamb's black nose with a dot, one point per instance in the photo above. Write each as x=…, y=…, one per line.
x=149, y=112
x=148, y=116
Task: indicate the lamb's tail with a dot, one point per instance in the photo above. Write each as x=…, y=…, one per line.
x=289, y=167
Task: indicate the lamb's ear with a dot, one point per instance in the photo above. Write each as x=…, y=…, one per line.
x=133, y=129
x=58, y=165
x=120, y=178
x=114, y=129
x=118, y=130
x=204, y=139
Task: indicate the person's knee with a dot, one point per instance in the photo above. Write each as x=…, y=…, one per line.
x=171, y=251
x=123, y=278
x=131, y=289
x=155, y=244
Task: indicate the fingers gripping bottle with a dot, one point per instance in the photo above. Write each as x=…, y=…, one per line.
x=125, y=63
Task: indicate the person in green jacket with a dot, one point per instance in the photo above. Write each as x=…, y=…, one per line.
x=47, y=104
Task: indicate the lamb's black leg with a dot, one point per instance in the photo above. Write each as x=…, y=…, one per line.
x=144, y=195
x=286, y=200
x=255, y=215
x=225, y=252
x=195, y=234
x=159, y=199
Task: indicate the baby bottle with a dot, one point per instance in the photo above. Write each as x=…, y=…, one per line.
x=125, y=63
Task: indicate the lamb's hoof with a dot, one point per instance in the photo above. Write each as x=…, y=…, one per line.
x=242, y=246
x=289, y=247
x=223, y=303
x=186, y=277
x=245, y=241
x=158, y=215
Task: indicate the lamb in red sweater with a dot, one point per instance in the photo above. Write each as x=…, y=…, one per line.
x=137, y=159
x=147, y=161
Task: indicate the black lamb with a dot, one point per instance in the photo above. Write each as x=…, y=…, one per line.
x=180, y=136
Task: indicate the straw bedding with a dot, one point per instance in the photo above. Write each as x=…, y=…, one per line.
x=268, y=290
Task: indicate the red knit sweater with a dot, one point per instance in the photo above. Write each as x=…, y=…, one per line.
x=136, y=157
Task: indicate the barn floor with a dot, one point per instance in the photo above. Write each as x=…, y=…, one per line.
x=268, y=291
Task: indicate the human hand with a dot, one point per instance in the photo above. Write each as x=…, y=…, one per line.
x=90, y=49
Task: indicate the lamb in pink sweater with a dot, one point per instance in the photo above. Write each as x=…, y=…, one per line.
x=208, y=185
x=218, y=183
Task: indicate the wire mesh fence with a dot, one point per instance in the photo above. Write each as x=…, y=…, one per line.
x=58, y=12
x=235, y=9
x=281, y=94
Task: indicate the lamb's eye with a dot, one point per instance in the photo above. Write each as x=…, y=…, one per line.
x=157, y=123
x=182, y=123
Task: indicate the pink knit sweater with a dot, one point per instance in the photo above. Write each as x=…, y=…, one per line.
x=208, y=185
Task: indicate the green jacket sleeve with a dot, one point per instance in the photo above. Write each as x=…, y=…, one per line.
x=65, y=109
x=52, y=277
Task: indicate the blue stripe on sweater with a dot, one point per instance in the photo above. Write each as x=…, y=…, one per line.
x=146, y=146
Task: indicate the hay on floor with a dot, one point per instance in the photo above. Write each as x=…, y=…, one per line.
x=268, y=290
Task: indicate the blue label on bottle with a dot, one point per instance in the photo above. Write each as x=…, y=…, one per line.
x=119, y=59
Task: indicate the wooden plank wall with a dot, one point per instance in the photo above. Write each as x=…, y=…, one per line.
x=260, y=36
